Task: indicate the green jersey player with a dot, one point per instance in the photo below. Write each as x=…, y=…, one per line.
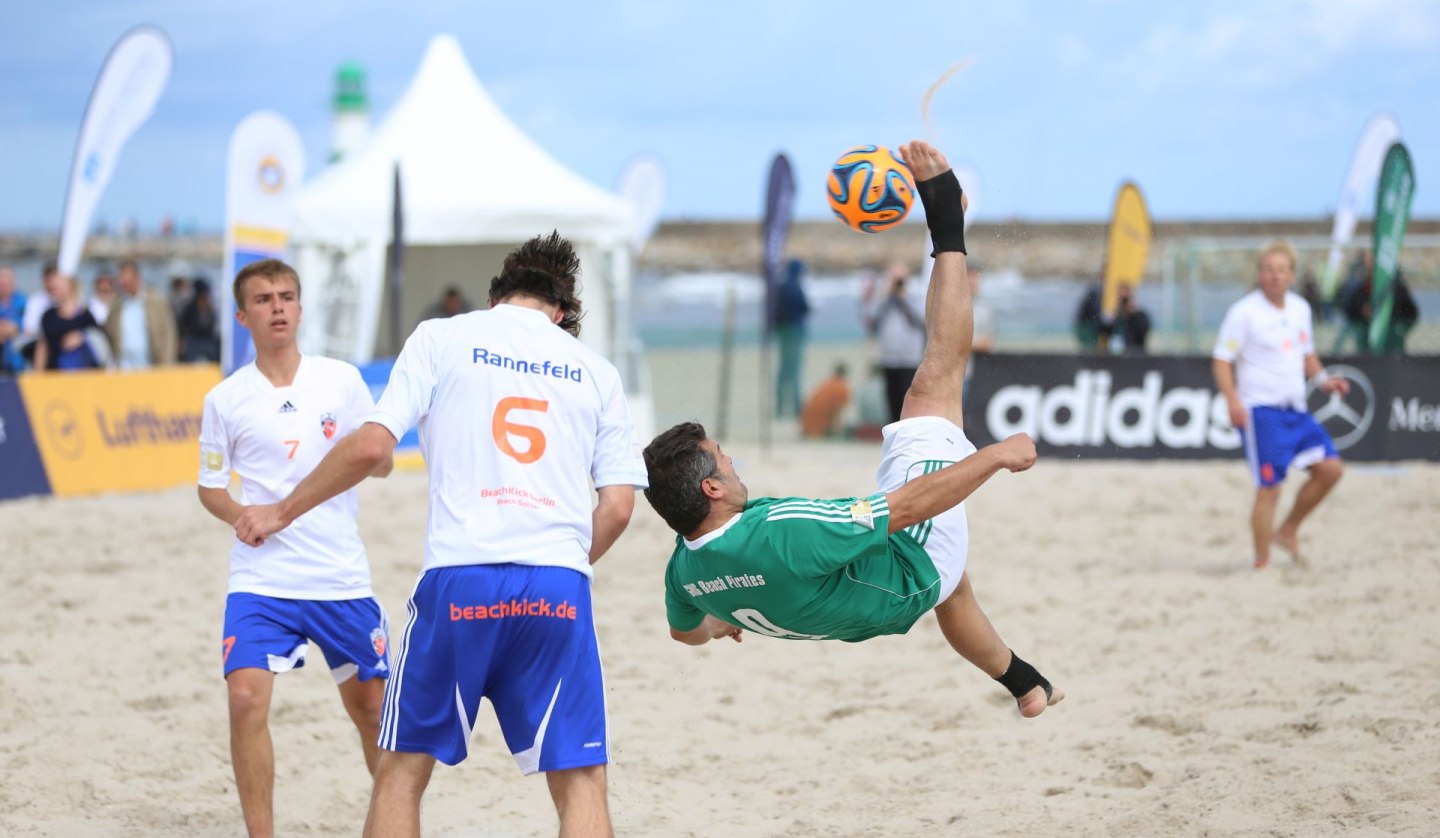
x=853, y=568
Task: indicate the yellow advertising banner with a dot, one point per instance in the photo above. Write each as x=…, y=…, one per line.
x=1127, y=246
x=101, y=431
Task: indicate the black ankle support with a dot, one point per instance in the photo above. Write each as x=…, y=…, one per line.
x=944, y=212
x=1021, y=678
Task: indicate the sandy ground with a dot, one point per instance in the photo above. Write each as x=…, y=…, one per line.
x=1204, y=698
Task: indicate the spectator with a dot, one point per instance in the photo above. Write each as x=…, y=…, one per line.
x=822, y=414
x=63, y=343
x=141, y=325
x=1088, y=321
x=37, y=304
x=451, y=303
x=102, y=295
x=1310, y=293
x=982, y=340
x=1360, y=310
x=897, y=320
x=1131, y=327
x=792, y=309
x=1349, y=302
x=12, y=312
x=199, y=335
x=180, y=293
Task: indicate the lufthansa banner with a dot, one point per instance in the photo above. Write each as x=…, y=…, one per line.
x=1165, y=407
x=118, y=431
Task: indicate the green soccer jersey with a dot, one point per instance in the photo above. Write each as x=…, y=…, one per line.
x=804, y=570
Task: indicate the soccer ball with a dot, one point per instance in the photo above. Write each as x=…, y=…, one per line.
x=870, y=189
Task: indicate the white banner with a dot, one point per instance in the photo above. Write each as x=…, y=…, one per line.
x=1357, y=195
x=642, y=185
x=130, y=83
x=265, y=166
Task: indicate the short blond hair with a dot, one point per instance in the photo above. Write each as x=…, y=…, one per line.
x=1279, y=246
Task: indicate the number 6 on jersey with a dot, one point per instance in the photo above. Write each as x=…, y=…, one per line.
x=501, y=428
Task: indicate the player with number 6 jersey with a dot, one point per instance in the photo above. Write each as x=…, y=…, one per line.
x=518, y=420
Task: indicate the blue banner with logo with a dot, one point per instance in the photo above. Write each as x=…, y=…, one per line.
x=774, y=229
x=21, y=470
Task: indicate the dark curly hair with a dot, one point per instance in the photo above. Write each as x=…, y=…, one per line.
x=545, y=268
x=677, y=465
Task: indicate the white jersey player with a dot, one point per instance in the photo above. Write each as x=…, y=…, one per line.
x=272, y=422
x=517, y=421
x=1263, y=356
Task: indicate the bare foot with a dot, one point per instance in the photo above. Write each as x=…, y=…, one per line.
x=1034, y=702
x=925, y=160
x=1262, y=562
x=1289, y=541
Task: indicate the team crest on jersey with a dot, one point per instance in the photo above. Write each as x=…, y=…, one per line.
x=377, y=640
x=327, y=424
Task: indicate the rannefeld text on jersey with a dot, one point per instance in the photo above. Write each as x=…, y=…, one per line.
x=495, y=359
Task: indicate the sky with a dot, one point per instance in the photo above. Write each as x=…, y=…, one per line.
x=1218, y=110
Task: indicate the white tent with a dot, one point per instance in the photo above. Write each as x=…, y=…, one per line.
x=474, y=186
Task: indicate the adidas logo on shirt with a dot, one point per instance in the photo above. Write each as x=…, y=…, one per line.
x=287, y=407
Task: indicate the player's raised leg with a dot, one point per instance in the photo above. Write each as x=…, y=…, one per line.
x=949, y=322
x=400, y=781
x=251, y=750
x=970, y=633
x=579, y=795
x=1323, y=477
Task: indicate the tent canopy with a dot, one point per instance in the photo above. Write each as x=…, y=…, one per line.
x=469, y=175
x=473, y=186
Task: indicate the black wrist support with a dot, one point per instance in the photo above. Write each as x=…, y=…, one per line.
x=944, y=212
x=1021, y=678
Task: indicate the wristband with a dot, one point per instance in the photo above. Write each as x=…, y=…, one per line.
x=944, y=213
x=1320, y=377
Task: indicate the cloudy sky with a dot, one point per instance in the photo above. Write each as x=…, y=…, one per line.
x=1219, y=110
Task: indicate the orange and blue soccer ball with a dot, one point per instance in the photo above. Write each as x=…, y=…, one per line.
x=870, y=189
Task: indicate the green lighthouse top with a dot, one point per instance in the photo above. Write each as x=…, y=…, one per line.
x=350, y=89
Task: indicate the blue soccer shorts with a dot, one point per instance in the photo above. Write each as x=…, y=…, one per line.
x=271, y=633
x=522, y=636
x=1277, y=439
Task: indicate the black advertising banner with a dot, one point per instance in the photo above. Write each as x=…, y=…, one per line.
x=1166, y=407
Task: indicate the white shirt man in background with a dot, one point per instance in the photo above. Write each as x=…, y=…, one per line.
x=1263, y=356
x=517, y=420
x=272, y=421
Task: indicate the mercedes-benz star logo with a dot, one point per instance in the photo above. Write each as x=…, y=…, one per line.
x=1346, y=418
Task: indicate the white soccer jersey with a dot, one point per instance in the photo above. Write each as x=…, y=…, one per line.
x=273, y=437
x=1268, y=346
x=517, y=418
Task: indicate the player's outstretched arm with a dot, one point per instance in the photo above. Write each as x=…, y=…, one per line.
x=925, y=497
x=352, y=459
x=710, y=628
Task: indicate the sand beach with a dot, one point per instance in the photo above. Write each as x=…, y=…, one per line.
x=1203, y=698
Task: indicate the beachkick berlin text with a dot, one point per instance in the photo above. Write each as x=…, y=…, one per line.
x=495, y=359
